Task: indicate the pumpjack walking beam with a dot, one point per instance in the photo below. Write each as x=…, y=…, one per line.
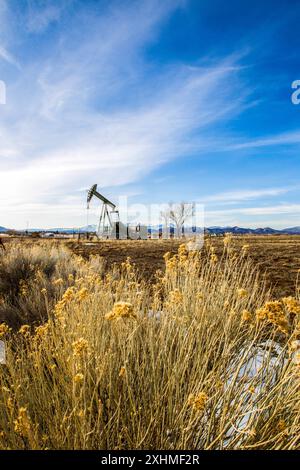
x=105, y=214
x=93, y=192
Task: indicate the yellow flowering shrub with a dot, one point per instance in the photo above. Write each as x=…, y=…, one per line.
x=198, y=402
x=121, y=310
x=22, y=422
x=274, y=313
x=242, y=293
x=291, y=304
x=80, y=347
x=246, y=315
x=4, y=330
x=78, y=378
x=175, y=297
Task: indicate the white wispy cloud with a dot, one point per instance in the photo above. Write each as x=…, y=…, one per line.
x=42, y=13
x=5, y=54
x=246, y=194
x=87, y=111
x=276, y=216
x=8, y=57
x=287, y=138
x=257, y=211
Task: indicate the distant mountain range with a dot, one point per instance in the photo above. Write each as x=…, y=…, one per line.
x=256, y=231
x=155, y=228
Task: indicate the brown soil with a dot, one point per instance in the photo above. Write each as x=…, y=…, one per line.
x=277, y=257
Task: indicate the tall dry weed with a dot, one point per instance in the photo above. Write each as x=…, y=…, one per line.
x=202, y=359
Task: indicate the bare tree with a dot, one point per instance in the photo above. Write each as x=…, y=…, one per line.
x=165, y=218
x=178, y=214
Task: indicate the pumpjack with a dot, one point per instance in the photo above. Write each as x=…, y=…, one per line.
x=109, y=225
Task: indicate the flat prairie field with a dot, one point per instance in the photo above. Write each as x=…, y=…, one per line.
x=203, y=356
x=276, y=256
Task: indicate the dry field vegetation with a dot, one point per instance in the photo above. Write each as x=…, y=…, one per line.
x=276, y=257
x=99, y=357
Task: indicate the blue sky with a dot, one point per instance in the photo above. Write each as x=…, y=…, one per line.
x=157, y=100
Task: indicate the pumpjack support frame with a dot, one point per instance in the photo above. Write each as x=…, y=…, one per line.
x=106, y=224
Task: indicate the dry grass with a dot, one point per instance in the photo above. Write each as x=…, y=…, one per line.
x=276, y=256
x=200, y=359
x=25, y=271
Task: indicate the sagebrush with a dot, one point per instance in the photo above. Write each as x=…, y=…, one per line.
x=200, y=359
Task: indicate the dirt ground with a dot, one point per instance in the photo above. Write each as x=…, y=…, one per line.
x=147, y=255
x=277, y=256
